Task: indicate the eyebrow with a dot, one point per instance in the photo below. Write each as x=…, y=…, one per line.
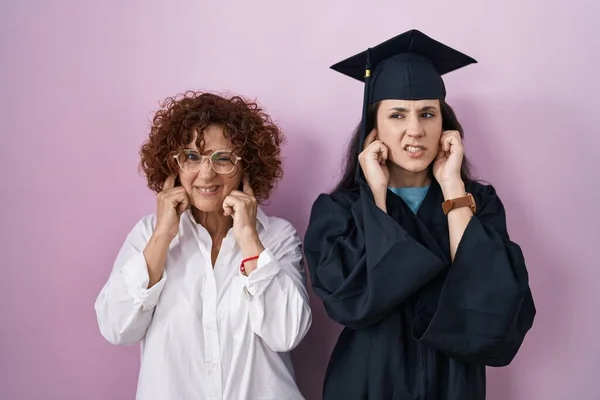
x=424, y=108
x=207, y=151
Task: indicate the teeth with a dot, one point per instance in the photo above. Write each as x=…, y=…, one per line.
x=413, y=149
x=208, y=190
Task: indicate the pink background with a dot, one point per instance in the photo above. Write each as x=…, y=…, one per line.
x=79, y=81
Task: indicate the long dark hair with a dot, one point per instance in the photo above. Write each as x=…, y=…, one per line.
x=449, y=122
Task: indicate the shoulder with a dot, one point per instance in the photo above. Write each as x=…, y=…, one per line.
x=333, y=214
x=147, y=222
x=144, y=227
x=278, y=234
x=489, y=206
x=141, y=232
x=335, y=201
x=484, y=193
x=274, y=225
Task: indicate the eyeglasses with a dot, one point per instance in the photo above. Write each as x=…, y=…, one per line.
x=221, y=161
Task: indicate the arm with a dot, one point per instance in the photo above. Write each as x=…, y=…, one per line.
x=125, y=305
x=155, y=254
x=458, y=219
x=275, y=290
x=485, y=307
x=363, y=264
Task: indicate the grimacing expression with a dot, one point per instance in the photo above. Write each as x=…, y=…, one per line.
x=411, y=129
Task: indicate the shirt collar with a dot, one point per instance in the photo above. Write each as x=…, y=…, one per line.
x=261, y=217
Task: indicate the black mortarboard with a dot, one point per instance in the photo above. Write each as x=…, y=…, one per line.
x=406, y=67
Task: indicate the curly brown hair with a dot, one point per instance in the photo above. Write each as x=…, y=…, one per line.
x=255, y=137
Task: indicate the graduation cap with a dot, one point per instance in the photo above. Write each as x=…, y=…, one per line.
x=406, y=67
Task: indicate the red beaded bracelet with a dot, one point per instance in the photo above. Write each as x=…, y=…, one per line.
x=242, y=268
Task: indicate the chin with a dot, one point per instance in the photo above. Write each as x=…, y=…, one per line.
x=207, y=206
x=415, y=166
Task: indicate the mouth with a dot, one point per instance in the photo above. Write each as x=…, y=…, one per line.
x=414, y=151
x=207, y=190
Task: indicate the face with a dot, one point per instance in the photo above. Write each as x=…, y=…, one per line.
x=206, y=188
x=411, y=130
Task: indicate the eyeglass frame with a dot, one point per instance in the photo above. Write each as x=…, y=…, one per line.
x=209, y=156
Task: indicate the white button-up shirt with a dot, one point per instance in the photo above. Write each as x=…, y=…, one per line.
x=210, y=333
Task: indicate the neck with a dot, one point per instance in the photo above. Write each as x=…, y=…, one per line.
x=214, y=222
x=399, y=177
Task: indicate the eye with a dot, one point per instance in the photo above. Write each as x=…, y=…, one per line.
x=396, y=116
x=427, y=115
x=223, y=157
x=192, y=156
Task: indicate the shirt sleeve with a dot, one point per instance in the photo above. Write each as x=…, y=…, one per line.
x=125, y=305
x=278, y=302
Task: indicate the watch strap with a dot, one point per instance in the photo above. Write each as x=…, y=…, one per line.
x=464, y=201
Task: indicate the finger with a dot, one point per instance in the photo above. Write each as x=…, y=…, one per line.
x=240, y=199
x=247, y=188
x=237, y=194
x=446, y=142
x=176, y=198
x=380, y=148
x=383, y=153
x=441, y=154
x=374, y=150
x=370, y=138
x=169, y=183
x=454, y=139
x=374, y=147
x=229, y=204
x=228, y=210
x=171, y=194
x=453, y=134
x=183, y=205
x=231, y=200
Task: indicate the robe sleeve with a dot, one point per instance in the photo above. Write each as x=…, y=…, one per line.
x=362, y=263
x=485, y=306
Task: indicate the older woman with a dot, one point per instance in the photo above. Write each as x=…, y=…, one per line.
x=210, y=285
x=409, y=252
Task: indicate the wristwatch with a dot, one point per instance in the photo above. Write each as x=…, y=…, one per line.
x=465, y=201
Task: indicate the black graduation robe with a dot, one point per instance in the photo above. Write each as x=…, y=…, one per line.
x=417, y=325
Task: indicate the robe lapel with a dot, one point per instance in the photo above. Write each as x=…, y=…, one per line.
x=430, y=226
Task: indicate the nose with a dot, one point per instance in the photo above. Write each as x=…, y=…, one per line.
x=414, y=127
x=206, y=172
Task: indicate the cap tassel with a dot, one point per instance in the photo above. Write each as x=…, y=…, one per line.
x=365, y=109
